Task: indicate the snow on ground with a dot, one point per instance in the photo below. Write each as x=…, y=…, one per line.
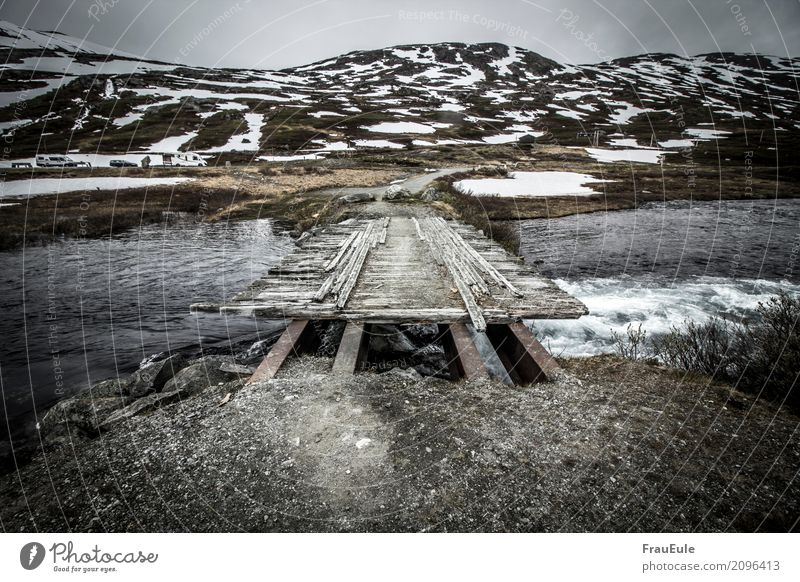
x=564, y=112
x=172, y=144
x=131, y=117
x=451, y=107
x=319, y=114
x=297, y=158
x=706, y=133
x=641, y=155
x=502, y=64
x=623, y=116
x=6, y=125
x=531, y=184
x=676, y=143
x=401, y=127
x=503, y=138
x=244, y=142
x=40, y=186
x=378, y=143
x=625, y=143
x=9, y=97
x=176, y=95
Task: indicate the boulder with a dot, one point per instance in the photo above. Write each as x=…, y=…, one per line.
x=153, y=376
x=200, y=375
x=357, y=197
x=431, y=195
x=77, y=418
x=389, y=340
x=144, y=404
x=113, y=387
x=397, y=192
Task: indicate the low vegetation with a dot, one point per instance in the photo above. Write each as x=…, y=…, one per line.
x=471, y=210
x=760, y=356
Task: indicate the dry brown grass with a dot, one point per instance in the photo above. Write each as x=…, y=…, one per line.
x=296, y=198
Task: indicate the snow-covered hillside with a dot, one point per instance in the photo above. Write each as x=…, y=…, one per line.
x=61, y=94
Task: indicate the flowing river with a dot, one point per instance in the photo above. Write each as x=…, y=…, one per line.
x=80, y=311
x=663, y=263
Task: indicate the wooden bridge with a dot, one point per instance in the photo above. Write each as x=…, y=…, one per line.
x=408, y=270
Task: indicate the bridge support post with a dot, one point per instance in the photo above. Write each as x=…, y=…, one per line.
x=289, y=343
x=352, y=349
x=523, y=356
x=462, y=355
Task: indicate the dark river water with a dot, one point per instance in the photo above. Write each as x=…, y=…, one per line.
x=662, y=264
x=81, y=311
x=78, y=312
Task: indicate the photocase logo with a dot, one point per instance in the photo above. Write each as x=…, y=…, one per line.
x=31, y=555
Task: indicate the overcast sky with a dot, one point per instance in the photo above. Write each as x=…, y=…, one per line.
x=275, y=34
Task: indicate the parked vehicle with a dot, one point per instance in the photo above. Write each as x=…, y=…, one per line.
x=122, y=164
x=189, y=159
x=48, y=161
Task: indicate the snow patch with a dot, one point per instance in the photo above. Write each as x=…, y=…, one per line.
x=531, y=184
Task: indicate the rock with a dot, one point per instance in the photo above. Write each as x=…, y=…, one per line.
x=200, y=375
x=527, y=139
x=77, y=418
x=237, y=369
x=397, y=192
x=388, y=339
x=145, y=404
x=357, y=197
x=431, y=195
x=303, y=238
x=113, y=387
x=152, y=377
x=256, y=352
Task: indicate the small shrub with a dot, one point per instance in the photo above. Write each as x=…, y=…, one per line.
x=760, y=356
x=632, y=345
x=471, y=211
x=706, y=348
x=771, y=355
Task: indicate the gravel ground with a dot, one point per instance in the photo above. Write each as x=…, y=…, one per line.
x=610, y=446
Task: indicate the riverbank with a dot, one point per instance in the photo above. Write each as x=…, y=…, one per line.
x=610, y=446
x=293, y=195
x=302, y=194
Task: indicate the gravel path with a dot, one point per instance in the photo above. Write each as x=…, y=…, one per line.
x=610, y=446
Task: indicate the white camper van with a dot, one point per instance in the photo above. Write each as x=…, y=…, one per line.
x=184, y=159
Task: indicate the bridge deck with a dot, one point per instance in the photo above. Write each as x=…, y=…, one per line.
x=403, y=270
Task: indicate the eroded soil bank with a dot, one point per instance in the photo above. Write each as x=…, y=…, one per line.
x=610, y=446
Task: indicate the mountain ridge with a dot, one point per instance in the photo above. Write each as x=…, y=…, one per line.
x=409, y=95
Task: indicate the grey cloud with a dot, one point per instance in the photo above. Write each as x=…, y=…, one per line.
x=282, y=33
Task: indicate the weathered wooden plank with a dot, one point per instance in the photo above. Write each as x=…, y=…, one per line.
x=524, y=357
x=485, y=265
x=351, y=349
x=402, y=273
x=460, y=277
x=287, y=344
x=462, y=354
x=358, y=263
x=335, y=260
